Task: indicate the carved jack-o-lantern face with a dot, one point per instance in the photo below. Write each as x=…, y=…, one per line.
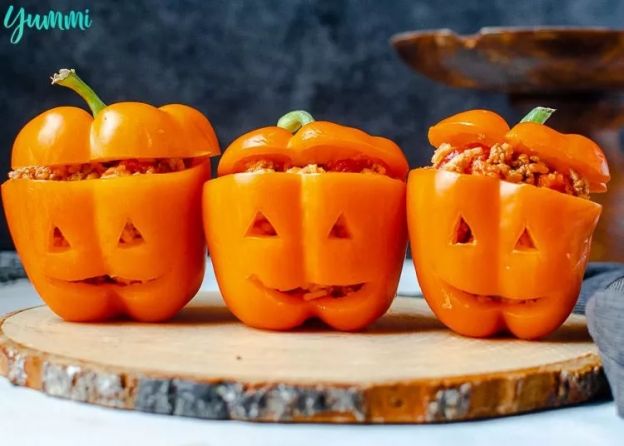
x=493, y=255
x=143, y=233
x=512, y=259
x=130, y=245
x=272, y=235
x=287, y=246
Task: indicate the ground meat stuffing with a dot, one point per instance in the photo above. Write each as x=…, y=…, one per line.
x=314, y=291
x=502, y=162
x=355, y=166
x=109, y=280
x=109, y=169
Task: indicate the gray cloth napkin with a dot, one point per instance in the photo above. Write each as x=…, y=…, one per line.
x=10, y=267
x=602, y=298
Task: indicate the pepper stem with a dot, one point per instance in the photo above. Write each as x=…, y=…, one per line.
x=68, y=78
x=538, y=115
x=294, y=120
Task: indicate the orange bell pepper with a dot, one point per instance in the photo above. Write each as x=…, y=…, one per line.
x=283, y=245
x=92, y=274
x=522, y=266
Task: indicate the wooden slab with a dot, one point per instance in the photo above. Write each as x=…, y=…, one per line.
x=405, y=369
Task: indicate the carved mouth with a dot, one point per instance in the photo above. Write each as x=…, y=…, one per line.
x=492, y=299
x=111, y=280
x=504, y=300
x=313, y=291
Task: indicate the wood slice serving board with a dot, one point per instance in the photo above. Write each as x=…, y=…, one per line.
x=406, y=368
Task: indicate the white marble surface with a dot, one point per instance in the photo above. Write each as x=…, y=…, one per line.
x=31, y=418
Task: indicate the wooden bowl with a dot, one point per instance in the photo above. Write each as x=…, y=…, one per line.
x=519, y=60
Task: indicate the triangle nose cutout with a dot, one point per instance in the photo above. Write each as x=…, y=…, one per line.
x=130, y=235
x=340, y=229
x=261, y=227
x=463, y=233
x=525, y=242
x=59, y=241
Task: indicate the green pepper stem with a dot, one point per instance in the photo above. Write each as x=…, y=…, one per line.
x=68, y=78
x=538, y=115
x=294, y=120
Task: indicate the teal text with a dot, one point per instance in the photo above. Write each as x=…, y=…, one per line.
x=19, y=20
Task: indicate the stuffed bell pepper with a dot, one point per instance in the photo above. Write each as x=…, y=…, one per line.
x=104, y=208
x=501, y=224
x=307, y=219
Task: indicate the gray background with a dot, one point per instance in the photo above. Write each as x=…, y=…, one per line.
x=245, y=63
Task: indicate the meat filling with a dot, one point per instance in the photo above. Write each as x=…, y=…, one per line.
x=502, y=162
x=503, y=300
x=110, y=280
x=314, y=291
x=354, y=166
x=102, y=170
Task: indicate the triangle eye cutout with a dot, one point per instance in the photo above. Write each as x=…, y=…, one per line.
x=463, y=234
x=261, y=227
x=58, y=242
x=340, y=229
x=130, y=235
x=525, y=242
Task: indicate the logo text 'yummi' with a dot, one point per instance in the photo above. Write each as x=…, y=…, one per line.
x=19, y=20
